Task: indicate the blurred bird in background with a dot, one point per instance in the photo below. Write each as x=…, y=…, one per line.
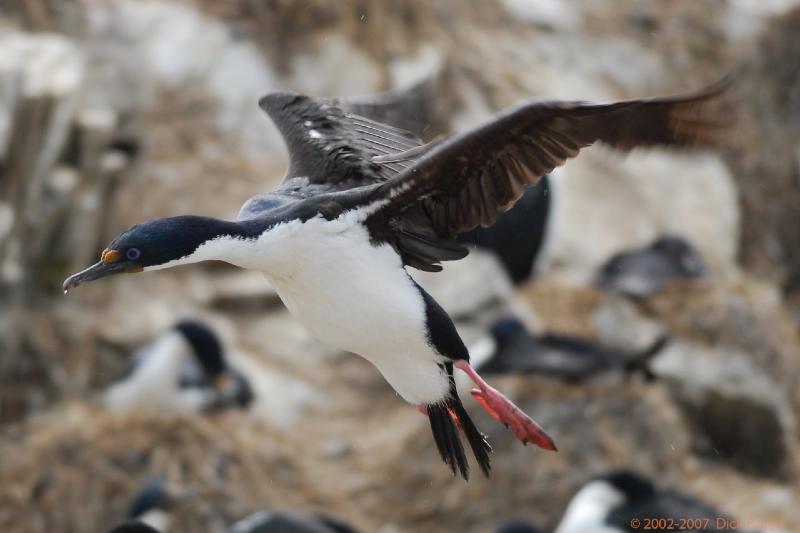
x=510, y=349
x=645, y=271
x=183, y=370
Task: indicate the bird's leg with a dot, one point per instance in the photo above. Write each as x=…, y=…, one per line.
x=504, y=410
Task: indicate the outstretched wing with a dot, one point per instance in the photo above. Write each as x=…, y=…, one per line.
x=467, y=180
x=332, y=148
x=410, y=109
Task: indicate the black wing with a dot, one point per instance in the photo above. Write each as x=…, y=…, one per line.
x=410, y=109
x=468, y=179
x=331, y=148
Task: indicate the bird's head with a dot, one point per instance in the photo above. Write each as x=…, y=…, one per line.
x=685, y=258
x=153, y=245
x=153, y=505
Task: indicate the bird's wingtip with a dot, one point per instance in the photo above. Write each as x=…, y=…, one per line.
x=276, y=100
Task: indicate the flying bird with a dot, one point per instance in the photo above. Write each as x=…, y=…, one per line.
x=361, y=201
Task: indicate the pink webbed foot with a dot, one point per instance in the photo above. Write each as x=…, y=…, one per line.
x=504, y=410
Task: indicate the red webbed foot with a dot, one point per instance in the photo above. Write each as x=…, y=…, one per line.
x=504, y=410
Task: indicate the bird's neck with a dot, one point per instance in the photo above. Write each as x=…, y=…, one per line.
x=209, y=239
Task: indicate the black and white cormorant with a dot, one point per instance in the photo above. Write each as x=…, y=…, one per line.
x=362, y=201
x=644, y=271
x=183, y=370
x=510, y=348
x=623, y=501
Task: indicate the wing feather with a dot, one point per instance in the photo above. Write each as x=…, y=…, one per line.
x=328, y=146
x=465, y=181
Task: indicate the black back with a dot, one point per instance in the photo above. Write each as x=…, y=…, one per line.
x=644, y=271
x=518, y=234
x=567, y=357
x=205, y=344
x=645, y=500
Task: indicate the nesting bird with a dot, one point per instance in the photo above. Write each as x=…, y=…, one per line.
x=183, y=370
x=362, y=201
x=643, y=272
x=622, y=501
x=510, y=349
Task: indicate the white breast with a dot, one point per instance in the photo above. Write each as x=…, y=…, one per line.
x=588, y=509
x=153, y=385
x=355, y=297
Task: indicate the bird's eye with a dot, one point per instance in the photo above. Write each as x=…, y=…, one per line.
x=133, y=254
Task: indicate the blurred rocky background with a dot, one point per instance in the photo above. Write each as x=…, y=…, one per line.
x=118, y=111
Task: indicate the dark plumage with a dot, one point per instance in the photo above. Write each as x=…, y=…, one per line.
x=645, y=271
x=271, y=521
x=644, y=499
x=134, y=527
x=153, y=494
x=518, y=235
x=516, y=351
x=411, y=109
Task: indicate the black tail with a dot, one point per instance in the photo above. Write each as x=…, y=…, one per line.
x=445, y=433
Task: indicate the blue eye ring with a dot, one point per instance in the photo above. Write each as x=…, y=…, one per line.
x=133, y=254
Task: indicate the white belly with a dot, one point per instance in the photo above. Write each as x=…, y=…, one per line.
x=357, y=297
